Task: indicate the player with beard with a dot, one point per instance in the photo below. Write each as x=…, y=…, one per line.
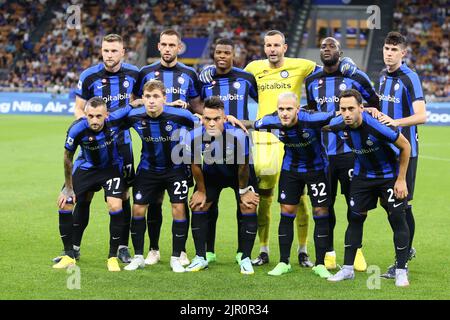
x=233, y=86
x=275, y=75
x=323, y=88
x=182, y=90
x=115, y=82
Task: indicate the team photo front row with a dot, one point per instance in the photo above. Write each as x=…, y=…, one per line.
x=215, y=151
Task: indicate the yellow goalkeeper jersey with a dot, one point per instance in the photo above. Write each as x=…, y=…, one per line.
x=271, y=82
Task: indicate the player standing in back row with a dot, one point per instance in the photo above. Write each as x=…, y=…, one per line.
x=115, y=82
x=182, y=90
x=402, y=105
x=323, y=87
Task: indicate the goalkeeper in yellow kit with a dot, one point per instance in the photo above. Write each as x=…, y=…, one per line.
x=275, y=75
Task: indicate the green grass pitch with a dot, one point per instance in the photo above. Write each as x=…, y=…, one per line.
x=31, y=174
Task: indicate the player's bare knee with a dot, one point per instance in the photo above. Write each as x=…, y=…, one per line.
x=320, y=211
x=68, y=207
x=246, y=210
x=139, y=210
x=178, y=211
x=114, y=204
x=289, y=208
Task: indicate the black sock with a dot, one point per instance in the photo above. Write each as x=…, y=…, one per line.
x=213, y=214
x=126, y=207
x=411, y=224
x=240, y=226
x=80, y=221
x=401, y=237
x=249, y=228
x=66, y=230
x=154, y=222
x=286, y=236
x=116, y=227
x=178, y=236
x=321, y=235
x=332, y=224
x=138, y=226
x=353, y=237
x=188, y=220
x=198, y=227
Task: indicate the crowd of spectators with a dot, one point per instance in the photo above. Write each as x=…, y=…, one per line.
x=426, y=25
x=54, y=62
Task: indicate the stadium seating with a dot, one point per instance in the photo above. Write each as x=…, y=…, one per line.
x=426, y=24
x=54, y=62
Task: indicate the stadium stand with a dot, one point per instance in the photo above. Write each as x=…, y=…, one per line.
x=53, y=62
x=426, y=25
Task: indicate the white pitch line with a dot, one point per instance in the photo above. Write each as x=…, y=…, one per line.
x=434, y=158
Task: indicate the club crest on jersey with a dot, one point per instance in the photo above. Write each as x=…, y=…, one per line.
x=91, y=138
x=181, y=80
x=70, y=141
x=305, y=135
x=156, y=74
x=369, y=142
x=168, y=127
x=236, y=85
x=126, y=84
x=79, y=85
x=397, y=85
x=342, y=86
x=284, y=74
x=104, y=80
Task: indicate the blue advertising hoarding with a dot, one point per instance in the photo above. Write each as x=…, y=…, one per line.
x=63, y=104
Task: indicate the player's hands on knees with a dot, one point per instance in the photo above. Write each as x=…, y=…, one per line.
x=136, y=102
x=198, y=200
x=178, y=103
x=250, y=199
x=235, y=122
x=67, y=196
x=400, y=189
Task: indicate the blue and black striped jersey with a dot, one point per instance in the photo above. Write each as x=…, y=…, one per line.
x=181, y=81
x=233, y=89
x=160, y=136
x=372, y=143
x=98, y=149
x=303, y=150
x=220, y=155
x=114, y=88
x=398, y=91
x=322, y=92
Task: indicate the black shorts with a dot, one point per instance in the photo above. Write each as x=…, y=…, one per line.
x=126, y=152
x=292, y=184
x=411, y=177
x=340, y=169
x=365, y=192
x=215, y=184
x=110, y=179
x=148, y=186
